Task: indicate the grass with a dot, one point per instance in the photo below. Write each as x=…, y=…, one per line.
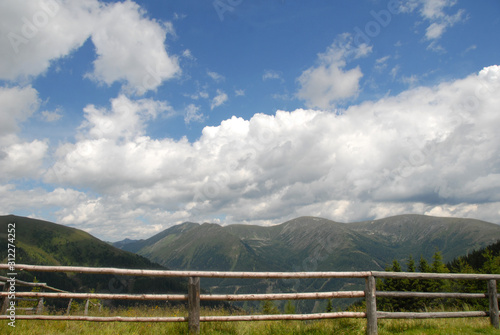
x=335, y=326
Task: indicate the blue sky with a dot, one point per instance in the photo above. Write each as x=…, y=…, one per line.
x=124, y=118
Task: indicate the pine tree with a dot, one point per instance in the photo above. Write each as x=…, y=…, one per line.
x=410, y=285
x=437, y=266
x=491, y=264
x=423, y=284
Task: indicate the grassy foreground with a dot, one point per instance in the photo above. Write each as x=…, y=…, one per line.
x=336, y=326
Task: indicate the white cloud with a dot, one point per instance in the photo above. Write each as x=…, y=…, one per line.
x=193, y=114
x=219, y=99
x=394, y=71
x=126, y=120
x=270, y=74
x=381, y=63
x=427, y=150
x=472, y=47
x=435, y=12
x=437, y=29
x=22, y=160
x=216, y=76
x=434, y=9
x=121, y=36
x=18, y=104
x=19, y=159
x=328, y=83
x=51, y=116
x=410, y=80
x=34, y=34
x=187, y=54
x=202, y=94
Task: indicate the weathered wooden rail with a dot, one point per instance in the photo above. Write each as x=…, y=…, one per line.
x=194, y=296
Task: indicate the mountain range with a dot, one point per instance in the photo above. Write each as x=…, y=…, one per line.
x=309, y=244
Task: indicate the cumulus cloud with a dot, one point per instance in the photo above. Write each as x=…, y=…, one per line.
x=22, y=160
x=121, y=37
x=328, y=83
x=428, y=150
x=34, y=34
x=19, y=159
x=126, y=120
x=18, y=104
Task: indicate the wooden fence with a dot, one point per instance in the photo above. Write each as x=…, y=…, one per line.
x=194, y=296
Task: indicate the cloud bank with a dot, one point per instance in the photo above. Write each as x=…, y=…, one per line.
x=428, y=150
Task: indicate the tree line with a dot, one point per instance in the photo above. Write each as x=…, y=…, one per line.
x=485, y=260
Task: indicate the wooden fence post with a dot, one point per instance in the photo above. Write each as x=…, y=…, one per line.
x=493, y=299
x=194, y=305
x=371, y=306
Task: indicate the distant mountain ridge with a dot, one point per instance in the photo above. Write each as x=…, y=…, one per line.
x=286, y=246
x=310, y=244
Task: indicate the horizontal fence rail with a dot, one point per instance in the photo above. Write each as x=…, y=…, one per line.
x=202, y=274
x=194, y=296
x=203, y=297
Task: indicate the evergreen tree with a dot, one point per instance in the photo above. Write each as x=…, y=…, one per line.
x=410, y=285
x=423, y=266
x=410, y=265
x=491, y=263
x=424, y=284
x=437, y=266
x=390, y=284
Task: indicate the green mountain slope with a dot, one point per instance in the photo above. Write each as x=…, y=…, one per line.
x=45, y=243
